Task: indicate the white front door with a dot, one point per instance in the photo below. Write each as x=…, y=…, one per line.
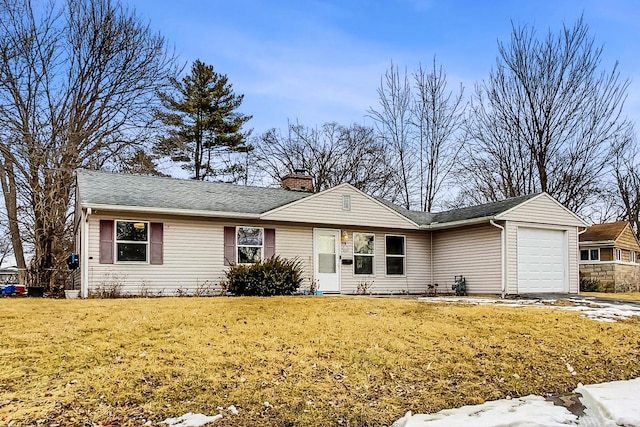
x=326, y=259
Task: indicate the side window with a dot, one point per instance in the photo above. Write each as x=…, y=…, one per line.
x=132, y=241
x=250, y=244
x=363, y=253
x=594, y=254
x=584, y=255
x=618, y=255
x=395, y=255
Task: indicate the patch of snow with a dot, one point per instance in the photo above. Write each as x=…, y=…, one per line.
x=191, y=420
x=614, y=403
x=570, y=368
x=606, y=405
x=600, y=311
x=233, y=410
x=506, y=412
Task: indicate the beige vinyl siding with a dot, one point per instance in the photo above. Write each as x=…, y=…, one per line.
x=417, y=264
x=193, y=255
x=473, y=252
x=512, y=254
x=542, y=209
x=326, y=208
x=627, y=240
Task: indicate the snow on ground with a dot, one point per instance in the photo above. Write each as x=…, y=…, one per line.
x=606, y=405
x=600, y=311
x=191, y=420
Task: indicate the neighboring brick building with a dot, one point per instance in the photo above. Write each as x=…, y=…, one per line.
x=609, y=252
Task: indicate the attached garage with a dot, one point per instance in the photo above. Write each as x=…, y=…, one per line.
x=542, y=260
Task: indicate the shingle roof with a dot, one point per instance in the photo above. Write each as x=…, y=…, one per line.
x=480, y=211
x=138, y=191
x=603, y=232
x=104, y=188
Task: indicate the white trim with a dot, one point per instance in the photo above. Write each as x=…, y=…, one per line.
x=351, y=187
x=404, y=257
x=373, y=255
x=165, y=211
x=635, y=264
x=116, y=241
x=84, y=262
x=338, y=256
x=248, y=246
x=503, y=256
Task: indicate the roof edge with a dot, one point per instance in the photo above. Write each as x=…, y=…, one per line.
x=179, y=212
x=453, y=224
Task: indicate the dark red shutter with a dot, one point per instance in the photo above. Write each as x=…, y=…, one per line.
x=157, y=235
x=229, y=245
x=269, y=242
x=106, y=241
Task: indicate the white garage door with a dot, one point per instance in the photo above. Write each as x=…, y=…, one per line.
x=542, y=260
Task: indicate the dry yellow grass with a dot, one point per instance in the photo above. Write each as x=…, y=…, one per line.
x=631, y=296
x=320, y=361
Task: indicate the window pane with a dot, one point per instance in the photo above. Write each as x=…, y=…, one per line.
x=363, y=243
x=132, y=252
x=584, y=255
x=250, y=236
x=327, y=244
x=363, y=264
x=395, y=265
x=395, y=245
x=327, y=263
x=249, y=255
x=595, y=255
x=130, y=230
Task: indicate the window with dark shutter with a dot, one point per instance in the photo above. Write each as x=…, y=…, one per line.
x=269, y=242
x=229, y=245
x=106, y=241
x=157, y=236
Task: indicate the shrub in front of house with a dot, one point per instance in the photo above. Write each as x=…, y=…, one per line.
x=590, y=285
x=273, y=276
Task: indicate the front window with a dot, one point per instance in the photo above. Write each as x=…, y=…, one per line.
x=632, y=256
x=363, y=253
x=618, y=255
x=395, y=254
x=132, y=241
x=590, y=255
x=250, y=244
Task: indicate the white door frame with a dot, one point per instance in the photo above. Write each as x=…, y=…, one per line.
x=324, y=281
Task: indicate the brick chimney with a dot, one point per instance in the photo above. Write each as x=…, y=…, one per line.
x=298, y=181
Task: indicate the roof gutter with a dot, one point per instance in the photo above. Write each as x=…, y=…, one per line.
x=181, y=212
x=452, y=224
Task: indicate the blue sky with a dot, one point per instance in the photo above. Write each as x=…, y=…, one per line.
x=320, y=61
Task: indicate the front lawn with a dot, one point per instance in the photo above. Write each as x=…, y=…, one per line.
x=317, y=361
x=630, y=296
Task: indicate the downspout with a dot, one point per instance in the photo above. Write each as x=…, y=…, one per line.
x=578, y=253
x=431, y=255
x=502, y=258
x=84, y=263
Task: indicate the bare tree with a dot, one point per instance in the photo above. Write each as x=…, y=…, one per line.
x=438, y=115
x=545, y=119
x=420, y=125
x=332, y=154
x=393, y=124
x=627, y=178
x=76, y=83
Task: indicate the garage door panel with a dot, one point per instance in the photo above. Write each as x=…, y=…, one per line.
x=542, y=261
